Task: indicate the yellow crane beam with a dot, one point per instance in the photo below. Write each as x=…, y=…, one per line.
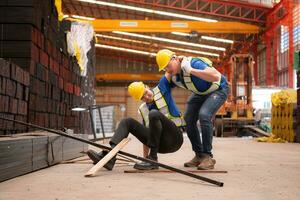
x=103, y=25
x=128, y=77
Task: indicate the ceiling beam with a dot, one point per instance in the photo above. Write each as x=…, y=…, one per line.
x=162, y=26
x=128, y=77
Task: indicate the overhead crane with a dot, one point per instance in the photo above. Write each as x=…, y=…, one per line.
x=165, y=26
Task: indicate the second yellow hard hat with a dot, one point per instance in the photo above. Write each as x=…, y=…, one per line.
x=136, y=90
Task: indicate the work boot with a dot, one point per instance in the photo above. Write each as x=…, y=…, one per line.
x=96, y=157
x=195, y=161
x=146, y=165
x=207, y=163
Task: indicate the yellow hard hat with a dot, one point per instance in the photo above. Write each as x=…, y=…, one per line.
x=136, y=90
x=163, y=58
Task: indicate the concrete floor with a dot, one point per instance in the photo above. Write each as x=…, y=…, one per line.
x=255, y=171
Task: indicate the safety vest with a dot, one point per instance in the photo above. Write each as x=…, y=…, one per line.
x=162, y=106
x=187, y=82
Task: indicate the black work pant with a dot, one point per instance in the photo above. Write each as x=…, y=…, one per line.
x=162, y=136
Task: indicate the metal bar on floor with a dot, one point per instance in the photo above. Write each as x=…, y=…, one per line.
x=202, y=178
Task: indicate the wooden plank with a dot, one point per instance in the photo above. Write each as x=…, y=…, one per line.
x=168, y=171
x=257, y=130
x=107, y=158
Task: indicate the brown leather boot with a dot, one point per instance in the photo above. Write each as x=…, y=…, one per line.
x=207, y=163
x=195, y=161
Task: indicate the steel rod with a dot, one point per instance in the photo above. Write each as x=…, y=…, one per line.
x=205, y=179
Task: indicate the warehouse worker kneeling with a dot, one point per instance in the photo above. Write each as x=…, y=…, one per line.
x=162, y=126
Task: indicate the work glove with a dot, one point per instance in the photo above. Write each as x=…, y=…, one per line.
x=186, y=66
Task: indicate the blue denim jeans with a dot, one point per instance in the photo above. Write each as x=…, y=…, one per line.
x=203, y=107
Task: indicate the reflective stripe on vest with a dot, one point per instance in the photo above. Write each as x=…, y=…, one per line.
x=144, y=112
x=162, y=106
x=187, y=79
x=177, y=83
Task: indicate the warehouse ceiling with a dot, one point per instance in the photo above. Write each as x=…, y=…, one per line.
x=236, y=11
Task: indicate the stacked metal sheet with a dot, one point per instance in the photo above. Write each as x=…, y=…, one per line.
x=29, y=152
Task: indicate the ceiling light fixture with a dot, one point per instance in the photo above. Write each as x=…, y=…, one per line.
x=193, y=51
x=125, y=49
x=82, y=17
x=146, y=10
x=169, y=47
x=121, y=39
x=170, y=41
x=217, y=39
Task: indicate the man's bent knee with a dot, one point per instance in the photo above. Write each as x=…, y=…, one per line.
x=154, y=114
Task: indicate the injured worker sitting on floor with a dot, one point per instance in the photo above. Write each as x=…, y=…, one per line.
x=162, y=125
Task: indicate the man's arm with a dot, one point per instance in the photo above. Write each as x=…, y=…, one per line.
x=208, y=74
x=165, y=82
x=200, y=70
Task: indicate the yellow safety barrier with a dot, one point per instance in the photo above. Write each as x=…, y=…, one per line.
x=283, y=104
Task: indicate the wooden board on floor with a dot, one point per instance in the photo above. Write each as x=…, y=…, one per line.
x=168, y=171
x=257, y=131
x=107, y=158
